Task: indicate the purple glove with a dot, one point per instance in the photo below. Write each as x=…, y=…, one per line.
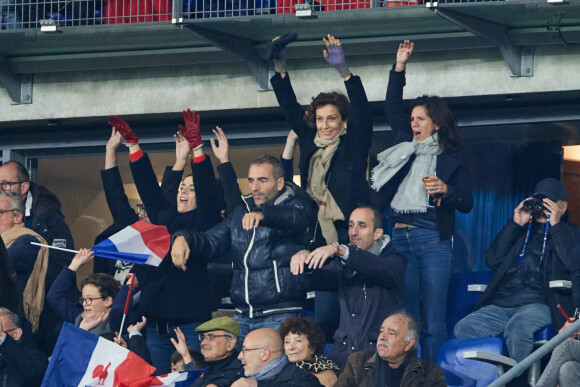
x=192, y=129
x=276, y=49
x=124, y=129
x=335, y=58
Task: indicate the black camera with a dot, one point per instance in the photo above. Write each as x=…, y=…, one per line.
x=535, y=203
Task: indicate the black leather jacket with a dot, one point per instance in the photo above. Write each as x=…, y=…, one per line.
x=262, y=283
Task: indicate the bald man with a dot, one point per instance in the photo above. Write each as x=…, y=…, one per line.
x=265, y=363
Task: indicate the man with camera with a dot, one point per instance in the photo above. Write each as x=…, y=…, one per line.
x=534, y=248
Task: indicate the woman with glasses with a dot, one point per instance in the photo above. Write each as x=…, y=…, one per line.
x=303, y=345
x=100, y=294
x=421, y=181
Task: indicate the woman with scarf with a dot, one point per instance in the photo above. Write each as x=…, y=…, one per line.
x=334, y=136
x=422, y=179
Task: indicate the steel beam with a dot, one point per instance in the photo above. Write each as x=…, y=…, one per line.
x=18, y=86
x=520, y=60
x=243, y=48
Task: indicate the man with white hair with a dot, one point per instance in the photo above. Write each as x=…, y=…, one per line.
x=395, y=362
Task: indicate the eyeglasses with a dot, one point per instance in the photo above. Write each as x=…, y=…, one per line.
x=10, y=330
x=210, y=336
x=89, y=300
x=2, y=212
x=7, y=185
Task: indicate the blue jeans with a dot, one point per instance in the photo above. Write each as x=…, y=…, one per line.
x=426, y=283
x=517, y=324
x=161, y=348
x=249, y=324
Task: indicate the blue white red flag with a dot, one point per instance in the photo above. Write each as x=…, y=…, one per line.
x=141, y=243
x=175, y=379
x=83, y=359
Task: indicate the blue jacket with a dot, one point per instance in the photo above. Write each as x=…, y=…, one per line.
x=262, y=283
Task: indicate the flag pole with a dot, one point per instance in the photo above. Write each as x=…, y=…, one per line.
x=54, y=247
x=126, y=306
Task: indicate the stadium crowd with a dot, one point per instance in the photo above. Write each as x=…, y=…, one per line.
x=283, y=240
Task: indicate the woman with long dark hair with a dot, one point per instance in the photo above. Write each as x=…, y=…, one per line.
x=421, y=181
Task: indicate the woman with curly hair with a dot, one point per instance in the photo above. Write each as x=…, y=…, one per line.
x=421, y=181
x=334, y=135
x=303, y=345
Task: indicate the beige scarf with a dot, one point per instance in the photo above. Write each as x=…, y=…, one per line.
x=33, y=297
x=328, y=210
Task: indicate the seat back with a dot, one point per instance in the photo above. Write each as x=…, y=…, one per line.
x=465, y=372
x=460, y=302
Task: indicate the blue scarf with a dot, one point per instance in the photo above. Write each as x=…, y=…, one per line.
x=271, y=369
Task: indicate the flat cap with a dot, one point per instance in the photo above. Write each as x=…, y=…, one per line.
x=223, y=323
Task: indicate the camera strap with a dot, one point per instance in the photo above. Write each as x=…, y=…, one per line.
x=528, y=239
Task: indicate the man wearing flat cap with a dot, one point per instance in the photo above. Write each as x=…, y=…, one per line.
x=534, y=248
x=218, y=339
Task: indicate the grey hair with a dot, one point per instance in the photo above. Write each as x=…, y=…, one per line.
x=12, y=317
x=277, y=168
x=412, y=331
x=17, y=201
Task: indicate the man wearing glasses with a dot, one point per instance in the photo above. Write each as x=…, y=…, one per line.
x=218, y=338
x=19, y=365
x=265, y=363
x=23, y=257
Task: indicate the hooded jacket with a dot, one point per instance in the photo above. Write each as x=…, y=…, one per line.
x=262, y=283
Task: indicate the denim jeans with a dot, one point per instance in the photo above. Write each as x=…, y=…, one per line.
x=564, y=366
x=517, y=324
x=426, y=283
x=161, y=348
x=249, y=324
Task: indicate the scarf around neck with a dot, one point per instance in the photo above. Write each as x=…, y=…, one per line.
x=33, y=294
x=271, y=369
x=328, y=210
x=411, y=196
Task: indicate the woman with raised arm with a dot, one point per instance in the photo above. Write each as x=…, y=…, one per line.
x=421, y=181
x=334, y=135
x=174, y=296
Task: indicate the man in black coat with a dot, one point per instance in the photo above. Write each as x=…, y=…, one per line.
x=20, y=366
x=266, y=365
x=263, y=232
x=534, y=248
x=369, y=275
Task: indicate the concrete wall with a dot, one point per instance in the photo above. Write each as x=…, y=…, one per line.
x=231, y=86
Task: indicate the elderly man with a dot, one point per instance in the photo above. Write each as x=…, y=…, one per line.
x=369, y=275
x=262, y=232
x=532, y=249
x=266, y=365
x=218, y=339
x=30, y=262
x=19, y=365
x=395, y=362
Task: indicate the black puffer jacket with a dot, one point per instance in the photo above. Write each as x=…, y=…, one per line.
x=262, y=283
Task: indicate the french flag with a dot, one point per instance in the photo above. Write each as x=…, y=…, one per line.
x=175, y=379
x=141, y=243
x=83, y=359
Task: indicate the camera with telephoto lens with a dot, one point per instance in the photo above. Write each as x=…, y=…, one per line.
x=535, y=203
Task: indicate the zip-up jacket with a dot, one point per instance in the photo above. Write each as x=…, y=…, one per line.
x=370, y=287
x=360, y=372
x=262, y=283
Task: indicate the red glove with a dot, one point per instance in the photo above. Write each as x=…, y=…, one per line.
x=192, y=129
x=124, y=128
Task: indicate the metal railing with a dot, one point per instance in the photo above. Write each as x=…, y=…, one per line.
x=18, y=14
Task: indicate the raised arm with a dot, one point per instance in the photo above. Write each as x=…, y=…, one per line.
x=227, y=174
x=115, y=195
x=395, y=110
x=287, y=158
